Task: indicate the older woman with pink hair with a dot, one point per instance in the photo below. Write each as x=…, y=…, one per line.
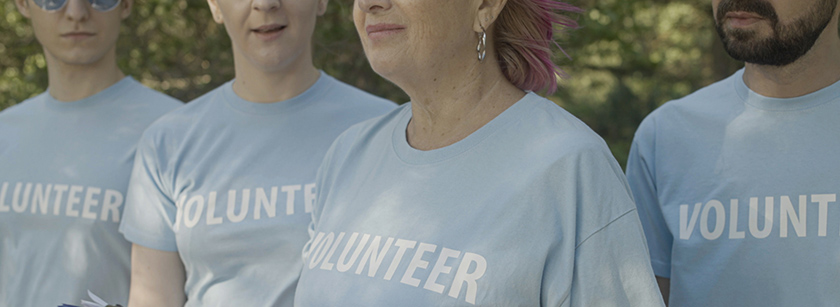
x=478, y=191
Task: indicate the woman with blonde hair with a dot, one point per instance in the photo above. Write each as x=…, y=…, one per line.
x=220, y=196
x=478, y=191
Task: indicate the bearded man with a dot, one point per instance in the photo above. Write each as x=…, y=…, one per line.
x=737, y=183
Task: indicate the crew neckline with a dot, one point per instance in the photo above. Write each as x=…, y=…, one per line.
x=758, y=101
x=411, y=155
x=317, y=89
x=103, y=96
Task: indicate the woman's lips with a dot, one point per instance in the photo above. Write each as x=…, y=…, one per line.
x=383, y=30
x=268, y=32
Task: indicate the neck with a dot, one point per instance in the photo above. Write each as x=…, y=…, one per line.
x=817, y=69
x=448, y=106
x=263, y=86
x=72, y=82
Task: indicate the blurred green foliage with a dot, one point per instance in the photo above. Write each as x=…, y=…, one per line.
x=629, y=57
x=632, y=56
x=174, y=46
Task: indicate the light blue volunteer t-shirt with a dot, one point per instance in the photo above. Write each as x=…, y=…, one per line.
x=530, y=210
x=738, y=196
x=64, y=170
x=229, y=185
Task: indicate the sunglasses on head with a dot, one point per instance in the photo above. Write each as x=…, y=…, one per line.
x=55, y=5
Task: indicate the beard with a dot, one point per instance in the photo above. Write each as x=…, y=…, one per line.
x=788, y=42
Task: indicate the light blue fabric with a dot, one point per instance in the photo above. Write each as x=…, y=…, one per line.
x=738, y=196
x=229, y=184
x=529, y=210
x=64, y=170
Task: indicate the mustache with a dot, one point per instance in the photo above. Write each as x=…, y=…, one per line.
x=758, y=7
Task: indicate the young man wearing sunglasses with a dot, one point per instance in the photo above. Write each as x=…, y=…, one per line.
x=66, y=157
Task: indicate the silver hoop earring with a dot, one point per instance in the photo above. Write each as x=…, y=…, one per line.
x=482, y=45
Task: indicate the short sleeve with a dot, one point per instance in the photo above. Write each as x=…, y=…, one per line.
x=607, y=263
x=642, y=181
x=611, y=268
x=150, y=212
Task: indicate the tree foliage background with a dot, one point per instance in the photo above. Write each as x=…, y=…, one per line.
x=629, y=57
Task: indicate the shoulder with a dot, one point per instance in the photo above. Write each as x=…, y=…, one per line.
x=560, y=147
x=352, y=97
x=175, y=125
x=17, y=119
x=190, y=113
x=373, y=130
x=567, y=163
x=557, y=132
x=132, y=106
x=706, y=104
x=21, y=109
x=371, y=134
x=147, y=98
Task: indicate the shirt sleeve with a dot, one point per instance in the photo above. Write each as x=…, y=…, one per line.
x=150, y=213
x=642, y=181
x=611, y=268
x=605, y=262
